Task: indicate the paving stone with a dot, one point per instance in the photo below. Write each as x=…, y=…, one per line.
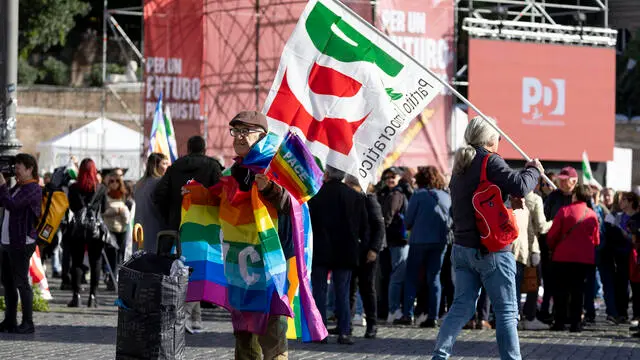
x=87, y=334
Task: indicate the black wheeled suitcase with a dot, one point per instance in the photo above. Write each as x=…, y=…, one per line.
x=151, y=297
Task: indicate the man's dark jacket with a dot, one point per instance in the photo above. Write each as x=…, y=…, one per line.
x=377, y=238
x=339, y=220
x=168, y=196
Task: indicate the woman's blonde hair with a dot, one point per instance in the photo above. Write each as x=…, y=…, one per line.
x=478, y=133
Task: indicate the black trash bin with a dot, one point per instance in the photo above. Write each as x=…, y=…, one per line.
x=151, y=314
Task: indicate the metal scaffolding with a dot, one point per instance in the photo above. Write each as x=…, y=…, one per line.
x=551, y=21
x=535, y=11
x=567, y=22
x=123, y=40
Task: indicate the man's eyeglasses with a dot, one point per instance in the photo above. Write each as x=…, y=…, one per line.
x=235, y=132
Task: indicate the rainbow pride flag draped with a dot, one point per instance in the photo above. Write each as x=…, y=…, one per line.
x=163, y=137
x=230, y=239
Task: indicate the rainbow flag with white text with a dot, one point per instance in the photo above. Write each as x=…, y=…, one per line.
x=295, y=169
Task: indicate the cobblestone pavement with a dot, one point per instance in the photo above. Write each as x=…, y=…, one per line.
x=84, y=334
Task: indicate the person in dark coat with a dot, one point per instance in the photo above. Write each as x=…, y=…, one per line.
x=194, y=166
x=80, y=195
x=340, y=223
x=364, y=277
x=147, y=214
x=168, y=197
x=393, y=262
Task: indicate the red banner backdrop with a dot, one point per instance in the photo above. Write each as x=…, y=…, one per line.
x=232, y=48
x=424, y=29
x=173, y=51
x=554, y=101
x=243, y=43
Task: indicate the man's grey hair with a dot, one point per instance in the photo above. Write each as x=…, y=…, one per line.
x=332, y=173
x=351, y=181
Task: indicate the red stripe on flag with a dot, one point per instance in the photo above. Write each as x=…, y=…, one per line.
x=327, y=81
x=335, y=133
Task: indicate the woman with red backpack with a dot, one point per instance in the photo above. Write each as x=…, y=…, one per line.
x=483, y=232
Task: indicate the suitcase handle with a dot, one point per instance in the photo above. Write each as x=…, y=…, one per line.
x=166, y=240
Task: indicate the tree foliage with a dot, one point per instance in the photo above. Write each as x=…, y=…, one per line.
x=46, y=23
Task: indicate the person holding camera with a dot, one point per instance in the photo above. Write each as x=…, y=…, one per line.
x=22, y=205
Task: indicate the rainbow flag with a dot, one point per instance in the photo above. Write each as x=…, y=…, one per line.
x=306, y=324
x=295, y=169
x=163, y=137
x=246, y=271
x=288, y=162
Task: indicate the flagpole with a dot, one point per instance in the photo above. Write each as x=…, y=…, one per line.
x=448, y=86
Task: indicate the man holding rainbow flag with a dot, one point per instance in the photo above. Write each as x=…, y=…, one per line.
x=248, y=240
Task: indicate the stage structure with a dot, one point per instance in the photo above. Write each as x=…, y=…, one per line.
x=545, y=70
x=214, y=58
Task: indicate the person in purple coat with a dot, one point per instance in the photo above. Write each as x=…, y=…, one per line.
x=22, y=206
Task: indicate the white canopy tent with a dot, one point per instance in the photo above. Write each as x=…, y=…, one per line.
x=105, y=141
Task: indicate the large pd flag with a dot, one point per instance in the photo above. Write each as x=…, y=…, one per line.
x=347, y=88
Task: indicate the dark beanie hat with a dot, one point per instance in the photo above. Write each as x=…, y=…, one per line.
x=251, y=118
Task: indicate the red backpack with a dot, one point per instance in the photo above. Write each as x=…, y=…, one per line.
x=496, y=223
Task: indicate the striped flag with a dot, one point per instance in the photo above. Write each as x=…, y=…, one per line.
x=587, y=174
x=288, y=162
x=295, y=169
x=163, y=138
x=38, y=277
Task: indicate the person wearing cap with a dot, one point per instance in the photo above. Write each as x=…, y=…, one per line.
x=168, y=198
x=559, y=198
x=394, y=204
x=567, y=181
x=248, y=128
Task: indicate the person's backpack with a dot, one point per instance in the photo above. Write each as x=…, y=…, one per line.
x=87, y=224
x=54, y=207
x=397, y=231
x=496, y=224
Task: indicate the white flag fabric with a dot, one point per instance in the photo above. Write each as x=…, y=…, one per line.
x=346, y=89
x=587, y=174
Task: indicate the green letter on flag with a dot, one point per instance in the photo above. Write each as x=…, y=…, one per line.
x=359, y=48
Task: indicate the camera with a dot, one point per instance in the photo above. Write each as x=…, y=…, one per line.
x=8, y=165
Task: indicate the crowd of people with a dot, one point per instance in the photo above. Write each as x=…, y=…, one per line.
x=419, y=245
x=405, y=251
